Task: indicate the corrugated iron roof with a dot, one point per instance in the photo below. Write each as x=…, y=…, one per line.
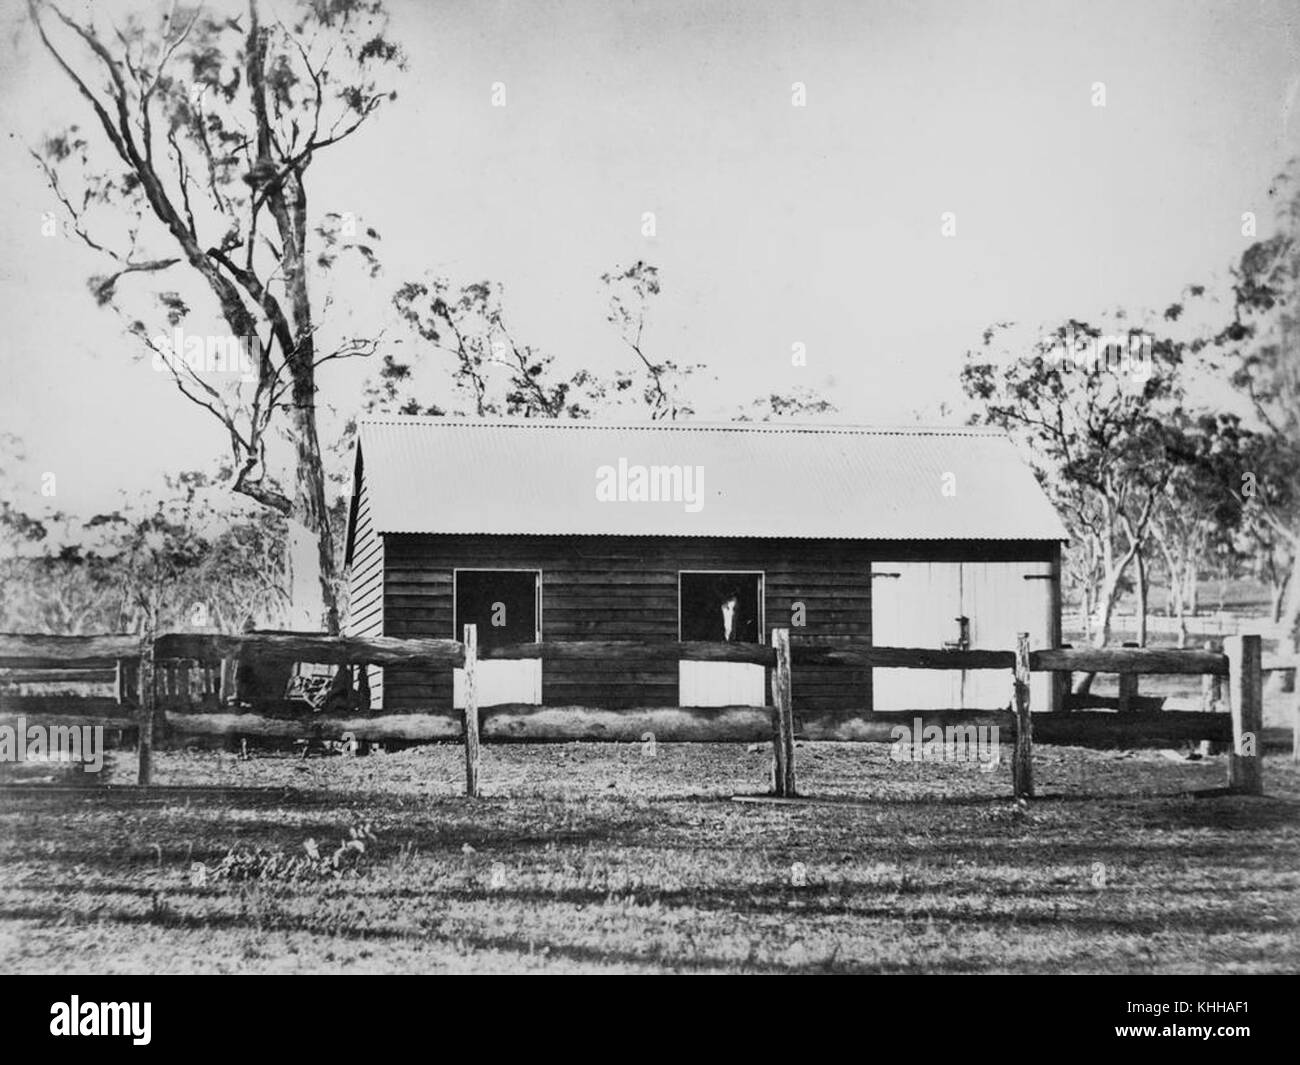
x=445, y=475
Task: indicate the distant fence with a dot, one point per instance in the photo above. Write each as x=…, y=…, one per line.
x=152, y=692
x=1217, y=624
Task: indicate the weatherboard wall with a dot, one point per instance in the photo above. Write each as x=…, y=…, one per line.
x=366, y=586
x=607, y=587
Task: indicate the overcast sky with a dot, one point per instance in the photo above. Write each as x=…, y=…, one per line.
x=775, y=224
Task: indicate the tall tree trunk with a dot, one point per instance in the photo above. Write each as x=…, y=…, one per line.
x=1178, y=595
x=1178, y=599
x=311, y=540
x=312, y=571
x=1141, y=598
x=1289, y=621
x=1107, y=599
x=1278, y=584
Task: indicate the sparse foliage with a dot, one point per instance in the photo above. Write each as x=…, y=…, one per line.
x=204, y=127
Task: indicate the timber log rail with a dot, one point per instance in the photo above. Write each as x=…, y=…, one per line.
x=151, y=695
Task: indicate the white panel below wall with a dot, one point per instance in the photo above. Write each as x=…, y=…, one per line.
x=721, y=684
x=502, y=681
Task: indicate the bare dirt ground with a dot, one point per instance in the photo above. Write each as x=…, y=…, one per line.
x=597, y=857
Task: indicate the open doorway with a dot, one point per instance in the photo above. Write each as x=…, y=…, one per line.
x=724, y=606
x=506, y=607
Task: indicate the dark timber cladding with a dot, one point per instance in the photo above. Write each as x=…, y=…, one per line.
x=622, y=588
x=774, y=526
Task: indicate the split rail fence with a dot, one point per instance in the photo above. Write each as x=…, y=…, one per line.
x=185, y=684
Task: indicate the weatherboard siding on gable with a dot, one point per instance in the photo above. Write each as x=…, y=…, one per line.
x=366, y=587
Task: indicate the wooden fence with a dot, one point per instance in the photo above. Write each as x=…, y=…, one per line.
x=201, y=702
x=1216, y=624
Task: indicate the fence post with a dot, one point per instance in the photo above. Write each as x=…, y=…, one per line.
x=1211, y=692
x=363, y=688
x=1211, y=698
x=1022, y=762
x=127, y=677
x=1064, y=683
x=1295, y=715
x=783, y=782
x=228, y=685
x=1246, y=699
x=148, y=701
x=1128, y=687
x=471, y=711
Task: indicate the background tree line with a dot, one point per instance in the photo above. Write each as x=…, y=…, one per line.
x=1159, y=479
x=187, y=172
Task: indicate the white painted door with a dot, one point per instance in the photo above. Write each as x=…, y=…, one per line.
x=722, y=684
x=1003, y=599
x=917, y=604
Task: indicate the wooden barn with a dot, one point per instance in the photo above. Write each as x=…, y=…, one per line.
x=552, y=531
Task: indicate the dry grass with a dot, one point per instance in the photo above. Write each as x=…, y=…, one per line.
x=591, y=857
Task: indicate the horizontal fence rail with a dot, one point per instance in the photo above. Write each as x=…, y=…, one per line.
x=58, y=652
x=642, y=650
x=1129, y=660
x=183, y=684
x=329, y=650
x=101, y=652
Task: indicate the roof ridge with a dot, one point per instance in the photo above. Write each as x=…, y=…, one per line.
x=427, y=421
x=818, y=481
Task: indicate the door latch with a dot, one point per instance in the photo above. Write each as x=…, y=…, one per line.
x=962, y=643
